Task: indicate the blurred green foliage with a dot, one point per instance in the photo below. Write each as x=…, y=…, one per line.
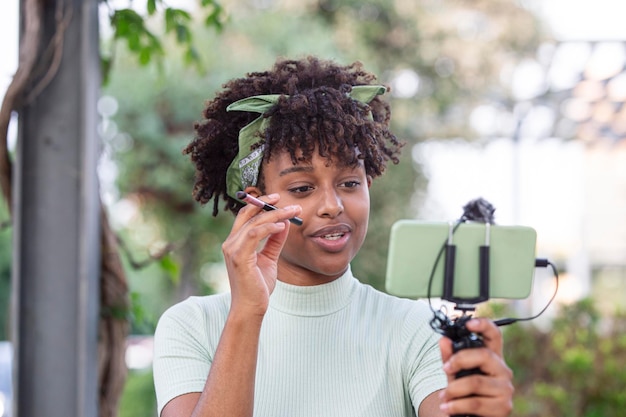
x=575, y=369
x=5, y=271
x=146, y=43
x=138, y=398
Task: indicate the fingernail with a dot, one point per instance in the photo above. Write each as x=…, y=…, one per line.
x=444, y=407
x=472, y=322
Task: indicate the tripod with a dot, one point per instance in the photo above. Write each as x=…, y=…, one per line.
x=461, y=337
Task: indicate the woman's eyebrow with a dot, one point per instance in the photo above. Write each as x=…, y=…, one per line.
x=298, y=168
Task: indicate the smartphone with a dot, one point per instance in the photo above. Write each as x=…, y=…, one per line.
x=414, y=246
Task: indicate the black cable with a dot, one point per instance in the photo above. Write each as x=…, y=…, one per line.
x=479, y=210
x=538, y=263
x=434, y=268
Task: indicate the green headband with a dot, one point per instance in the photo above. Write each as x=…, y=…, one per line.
x=243, y=172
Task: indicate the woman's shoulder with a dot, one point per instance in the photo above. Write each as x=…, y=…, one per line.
x=408, y=319
x=197, y=310
x=391, y=304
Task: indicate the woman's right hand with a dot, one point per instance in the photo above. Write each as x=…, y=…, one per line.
x=252, y=269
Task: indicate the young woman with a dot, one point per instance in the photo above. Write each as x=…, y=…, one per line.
x=298, y=335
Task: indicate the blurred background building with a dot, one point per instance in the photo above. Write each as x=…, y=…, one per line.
x=554, y=157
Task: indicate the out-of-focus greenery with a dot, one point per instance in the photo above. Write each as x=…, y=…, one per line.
x=5, y=271
x=575, y=369
x=132, y=27
x=457, y=50
x=155, y=120
x=138, y=398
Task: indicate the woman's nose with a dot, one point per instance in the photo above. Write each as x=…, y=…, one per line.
x=330, y=205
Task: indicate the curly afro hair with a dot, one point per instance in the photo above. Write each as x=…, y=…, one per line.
x=316, y=114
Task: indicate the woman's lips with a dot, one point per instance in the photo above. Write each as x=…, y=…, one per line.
x=332, y=238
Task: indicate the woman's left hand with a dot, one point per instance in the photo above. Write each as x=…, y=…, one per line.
x=489, y=394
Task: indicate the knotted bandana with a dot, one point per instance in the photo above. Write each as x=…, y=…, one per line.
x=243, y=172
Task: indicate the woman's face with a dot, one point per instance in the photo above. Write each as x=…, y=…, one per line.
x=335, y=210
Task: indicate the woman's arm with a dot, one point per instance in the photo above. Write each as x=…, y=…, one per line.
x=229, y=389
x=431, y=406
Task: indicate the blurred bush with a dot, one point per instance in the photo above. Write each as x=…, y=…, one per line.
x=139, y=398
x=575, y=369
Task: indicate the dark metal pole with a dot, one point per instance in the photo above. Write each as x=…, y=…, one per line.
x=56, y=228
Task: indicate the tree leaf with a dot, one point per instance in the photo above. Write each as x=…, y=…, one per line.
x=151, y=7
x=183, y=35
x=215, y=18
x=145, y=54
x=170, y=266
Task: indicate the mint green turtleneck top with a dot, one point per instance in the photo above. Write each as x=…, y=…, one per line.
x=340, y=349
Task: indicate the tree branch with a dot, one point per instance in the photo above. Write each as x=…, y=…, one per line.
x=5, y=224
x=29, y=47
x=54, y=52
x=135, y=264
x=112, y=329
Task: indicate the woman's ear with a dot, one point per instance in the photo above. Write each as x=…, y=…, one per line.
x=254, y=191
x=258, y=189
x=369, y=181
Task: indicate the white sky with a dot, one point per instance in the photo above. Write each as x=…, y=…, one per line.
x=584, y=19
x=8, y=44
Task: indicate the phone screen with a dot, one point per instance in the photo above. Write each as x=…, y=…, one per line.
x=414, y=246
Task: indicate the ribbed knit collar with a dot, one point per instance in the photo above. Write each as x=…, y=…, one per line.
x=316, y=300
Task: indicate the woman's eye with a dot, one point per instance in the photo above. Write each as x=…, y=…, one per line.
x=351, y=184
x=300, y=189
